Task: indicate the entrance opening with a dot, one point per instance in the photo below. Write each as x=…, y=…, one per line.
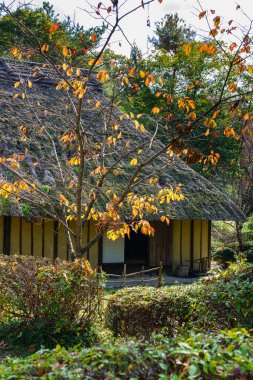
x=136, y=248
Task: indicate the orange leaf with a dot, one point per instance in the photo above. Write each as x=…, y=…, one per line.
x=131, y=72
x=202, y=14
x=54, y=27
x=93, y=37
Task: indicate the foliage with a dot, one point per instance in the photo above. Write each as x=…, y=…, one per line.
x=45, y=25
x=141, y=311
x=249, y=255
x=171, y=32
x=196, y=100
x=225, y=255
x=44, y=303
x=81, y=170
x=185, y=68
x=223, y=301
x=225, y=356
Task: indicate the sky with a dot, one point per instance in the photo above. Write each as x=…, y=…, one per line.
x=135, y=26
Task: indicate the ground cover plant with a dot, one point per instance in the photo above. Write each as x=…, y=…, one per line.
x=224, y=356
x=219, y=302
x=44, y=304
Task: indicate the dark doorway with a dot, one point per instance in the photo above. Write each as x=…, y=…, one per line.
x=136, y=248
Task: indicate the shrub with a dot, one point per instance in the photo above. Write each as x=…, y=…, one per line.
x=141, y=311
x=220, y=302
x=224, y=256
x=249, y=255
x=232, y=290
x=229, y=355
x=45, y=303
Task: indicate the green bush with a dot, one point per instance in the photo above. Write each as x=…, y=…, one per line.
x=45, y=303
x=224, y=256
x=220, y=302
x=141, y=311
x=249, y=255
x=229, y=355
x=232, y=290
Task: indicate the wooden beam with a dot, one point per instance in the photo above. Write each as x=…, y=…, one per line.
x=55, y=249
x=32, y=237
x=209, y=241
x=100, y=251
x=88, y=239
x=43, y=238
x=201, y=240
x=7, y=235
x=181, y=242
x=20, y=235
x=192, y=245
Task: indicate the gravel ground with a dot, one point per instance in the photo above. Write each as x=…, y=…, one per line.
x=113, y=282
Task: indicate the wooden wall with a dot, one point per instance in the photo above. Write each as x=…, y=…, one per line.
x=191, y=241
x=40, y=238
x=182, y=242
x=160, y=245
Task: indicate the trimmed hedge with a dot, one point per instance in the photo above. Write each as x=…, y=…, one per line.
x=226, y=356
x=221, y=302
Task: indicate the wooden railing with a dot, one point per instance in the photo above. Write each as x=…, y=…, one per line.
x=126, y=279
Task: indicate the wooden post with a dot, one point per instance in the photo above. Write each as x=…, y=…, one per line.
x=124, y=276
x=142, y=275
x=160, y=276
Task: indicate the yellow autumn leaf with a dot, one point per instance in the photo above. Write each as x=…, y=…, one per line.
x=136, y=123
x=70, y=71
x=16, y=84
x=155, y=110
x=14, y=51
x=142, y=74
x=92, y=61
x=78, y=72
x=250, y=69
x=63, y=199
x=29, y=84
x=187, y=49
x=134, y=162
x=44, y=47
x=65, y=51
x=165, y=219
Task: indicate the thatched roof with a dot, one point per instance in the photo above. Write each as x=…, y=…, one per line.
x=202, y=199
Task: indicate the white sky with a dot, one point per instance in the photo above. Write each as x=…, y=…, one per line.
x=135, y=26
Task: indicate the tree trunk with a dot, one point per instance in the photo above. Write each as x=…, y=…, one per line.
x=239, y=226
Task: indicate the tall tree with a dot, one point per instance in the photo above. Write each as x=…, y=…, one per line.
x=44, y=23
x=171, y=32
x=85, y=164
